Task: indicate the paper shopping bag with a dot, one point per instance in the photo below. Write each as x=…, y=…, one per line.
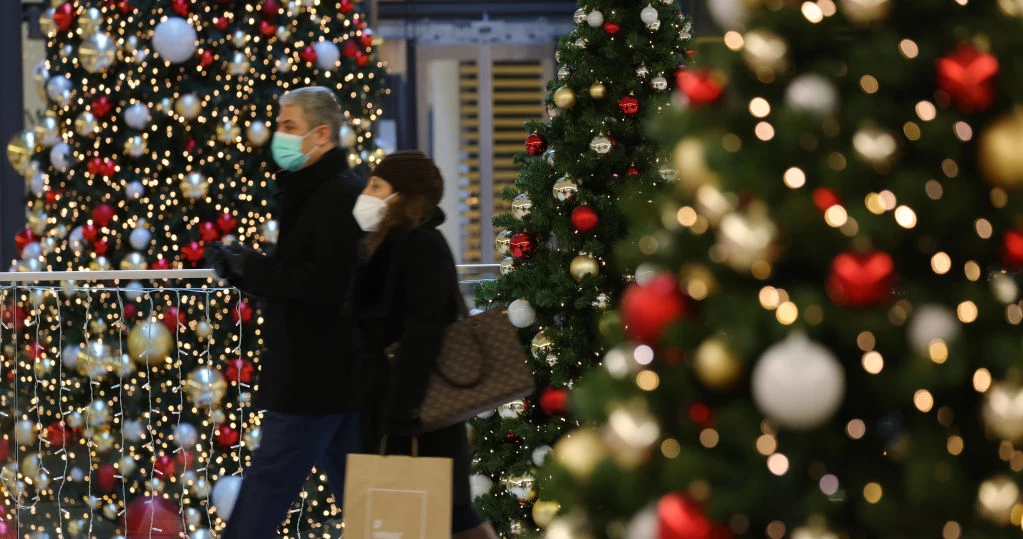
x=397, y=497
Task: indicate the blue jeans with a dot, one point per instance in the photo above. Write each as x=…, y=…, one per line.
x=290, y=446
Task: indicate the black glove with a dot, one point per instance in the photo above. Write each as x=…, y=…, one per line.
x=227, y=260
x=216, y=255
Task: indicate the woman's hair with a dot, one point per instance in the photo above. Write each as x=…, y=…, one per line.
x=404, y=211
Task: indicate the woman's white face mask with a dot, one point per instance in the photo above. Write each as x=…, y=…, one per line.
x=369, y=211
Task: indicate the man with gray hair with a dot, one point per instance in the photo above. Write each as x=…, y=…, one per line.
x=310, y=377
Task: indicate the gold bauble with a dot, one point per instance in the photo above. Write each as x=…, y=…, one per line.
x=996, y=499
x=20, y=150
x=717, y=365
x=544, y=513
x=101, y=263
x=1000, y=158
x=698, y=281
x=203, y=329
x=97, y=53
x=876, y=146
x=1003, y=411
x=1012, y=8
x=194, y=186
x=90, y=21
x=564, y=97
x=580, y=451
x=149, y=342
x=93, y=360
x=583, y=266
x=44, y=366
x=135, y=147
x=765, y=52
x=46, y=22
x=228, y=132
x=47, y=131
x=747, y=238
x=502, y=244
x=865, y=11
x=133, y=261
x=598, y=90
x=541, y=345
x=86, y=124
x=689, y=159
x=206, y=387
x=103, y=440
x=37, y=221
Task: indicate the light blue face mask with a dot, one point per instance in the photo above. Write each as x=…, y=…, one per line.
x=287, y=150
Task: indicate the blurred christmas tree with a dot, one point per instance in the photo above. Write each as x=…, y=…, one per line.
x=557, y=281
x=156, y=142
x=824, y=337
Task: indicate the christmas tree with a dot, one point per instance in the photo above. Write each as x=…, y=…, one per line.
x=128, y=408
x=559, y=277
x=823, y=339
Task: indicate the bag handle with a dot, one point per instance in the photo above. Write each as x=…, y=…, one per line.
x=415, y=446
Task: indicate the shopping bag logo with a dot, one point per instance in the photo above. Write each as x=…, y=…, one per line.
x=396, y=514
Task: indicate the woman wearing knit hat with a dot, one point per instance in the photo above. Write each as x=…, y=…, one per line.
x=404, y=293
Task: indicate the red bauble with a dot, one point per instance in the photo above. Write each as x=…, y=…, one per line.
x=13, y=316
x=649, y=309
x=1012, y=249
x=522, y=246
x=208, y=231
x=130, y=310
x=193, y=252
x=221, y=23
x=125, y=7
x=58, y=434
x=240, y=370
x=366, y=39
x=701, y=88
x=101, y=107
x=165, y=467
x=191, y=145
x=554, y=401
x=362, y=59
x=585, y=218
x=536, y=144
x=270, y=8
x=308, y=54
x=51, y=197
x=242, y=312
x=35, y=351
x=160, y=264
x=180, y=7
x=227, y=436
x=4, y=444
x=512, y=438
x=350, y=49
x=64, y=16
x=611, y=28
x=94, y=166
x=969, y=78
x=226, y=223
x=185, y=459
x=267, y=28
x=628, y=106
x=824, y=198
x=701, y=414
x=633, y=171
x=346, y=6
x=171, y=318
x=146, y=514
x=23, y=238
x=678, y=517
x=206, y=59
x=106, y=478
x=861, y=280
x=103, y=214
x=101, y=247
x=108, y=169
x=90, y=232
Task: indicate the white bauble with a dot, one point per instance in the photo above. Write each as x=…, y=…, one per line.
x=134, y=190
x=225, y=494
x=540, y=454
x=77, y=475
x=480, y=485
x=76, y=239
x=137, y=116
x=511, y=409
x=347, y=135
x=644, y=525
x=284, y=64
x=58, y=89
x=931, y=323
x=648, y=15
x=595, y=19
x=257, y=134
x=134, y=290
x=812, y=93
x=1004, y=288
x=798, y=383
x=25, y=432
x=32, y=250
x=188, y=106
x=729, y=14
x=132, y=430
x=175, y=40
x=327, y=54
x=61, y=157
x=38, y=184
x=69, y=356
x=140, y=238
x=521, y=313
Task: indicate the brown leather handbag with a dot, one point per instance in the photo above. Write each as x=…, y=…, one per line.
x=481, y=366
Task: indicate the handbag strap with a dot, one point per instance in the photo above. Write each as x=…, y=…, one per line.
x=415, y=446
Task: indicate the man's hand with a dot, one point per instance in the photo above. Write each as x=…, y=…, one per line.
x=228, y=260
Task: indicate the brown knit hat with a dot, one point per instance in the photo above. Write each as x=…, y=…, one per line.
x=413, y=173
